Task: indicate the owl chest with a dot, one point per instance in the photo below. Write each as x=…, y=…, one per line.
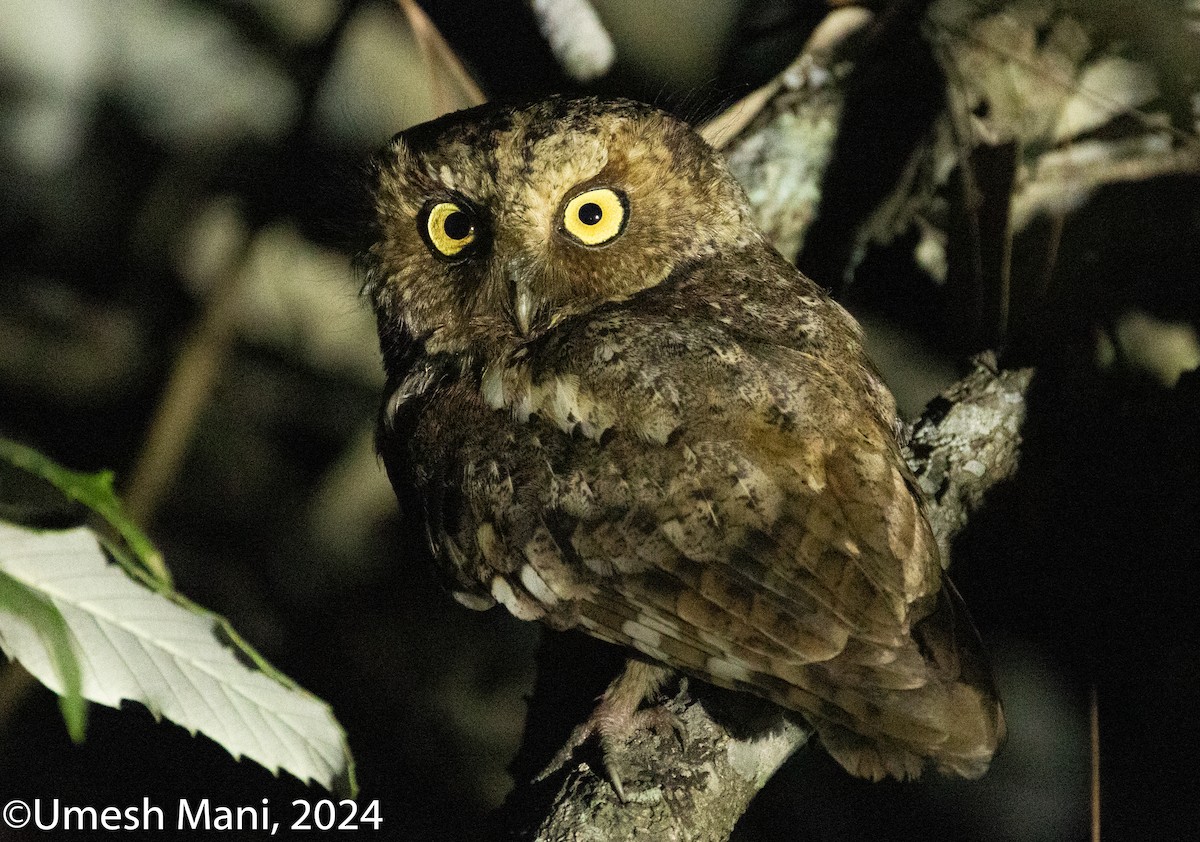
x=538, y=494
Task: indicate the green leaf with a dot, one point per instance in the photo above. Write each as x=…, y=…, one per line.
x=21, y=601
x=154, y=647
x=137, y=554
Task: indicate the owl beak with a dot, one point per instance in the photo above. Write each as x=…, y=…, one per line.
x=524, y=305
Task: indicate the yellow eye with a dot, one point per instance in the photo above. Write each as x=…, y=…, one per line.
x=449, y=228
x=595, y=217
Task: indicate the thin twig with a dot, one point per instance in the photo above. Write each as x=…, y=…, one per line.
x=1094, y=711
x=187, y=392
x=1004, y=318
x=825, y=42
x=438, y=55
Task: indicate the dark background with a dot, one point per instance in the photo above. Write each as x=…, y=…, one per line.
x=142, y=142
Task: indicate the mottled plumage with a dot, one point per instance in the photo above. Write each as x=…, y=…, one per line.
x=659, y=431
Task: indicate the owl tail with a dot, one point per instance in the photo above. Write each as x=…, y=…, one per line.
x=953, y=718
x=875, y=758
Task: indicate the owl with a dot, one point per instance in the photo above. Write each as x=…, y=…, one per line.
x=617, y=408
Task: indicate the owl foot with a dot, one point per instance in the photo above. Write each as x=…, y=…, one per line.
x=617, y=718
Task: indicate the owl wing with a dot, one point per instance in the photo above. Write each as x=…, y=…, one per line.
x=754, y=527
x=765, y=556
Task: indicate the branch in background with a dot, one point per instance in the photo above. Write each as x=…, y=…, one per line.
x=779, y=139
x=967, y=441
x=576, y=36
x=1044, y=107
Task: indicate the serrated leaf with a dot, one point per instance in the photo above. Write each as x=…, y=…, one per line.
x=96, y=492
x=180, y=661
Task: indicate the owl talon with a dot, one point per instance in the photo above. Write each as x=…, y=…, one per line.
x=613, y=738
x=612, y=741
x=614, y=779
x=617, y=718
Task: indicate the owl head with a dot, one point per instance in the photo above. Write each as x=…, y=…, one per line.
x=497, y=223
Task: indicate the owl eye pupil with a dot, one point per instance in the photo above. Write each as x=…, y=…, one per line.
x=590, y=214
x=457, y=226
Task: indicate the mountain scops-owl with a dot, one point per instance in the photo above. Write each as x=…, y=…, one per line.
x=618, y=408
